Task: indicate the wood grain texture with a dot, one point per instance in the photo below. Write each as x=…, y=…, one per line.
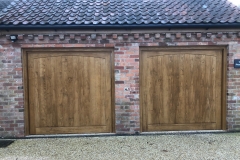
x=70, y=92
x=181, y=89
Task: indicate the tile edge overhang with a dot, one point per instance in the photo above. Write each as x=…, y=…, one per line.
x=123, y=26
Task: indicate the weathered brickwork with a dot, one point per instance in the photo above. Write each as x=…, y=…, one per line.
x=126, y=49
x=11, y=91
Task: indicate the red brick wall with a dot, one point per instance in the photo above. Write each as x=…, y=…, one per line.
x=126, y=48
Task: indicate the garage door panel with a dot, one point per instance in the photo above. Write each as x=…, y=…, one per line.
x=209, y=110
x=195, y=101
x=69, y=91
x=155, y=98
x=181, y=87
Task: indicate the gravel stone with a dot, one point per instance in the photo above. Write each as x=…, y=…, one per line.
x=182, y=146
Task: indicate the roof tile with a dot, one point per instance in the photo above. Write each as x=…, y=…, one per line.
x=119, y=12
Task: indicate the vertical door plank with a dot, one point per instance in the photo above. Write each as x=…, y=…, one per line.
x=218, y=89
x=43, y=91
x=67, y=69
x=92, y=111
x=208, y=85
x=53, y=98
x=65, y=87
x=47, y=92
x=77, y=90
x=103, y=85
x=86, y=90
x=33, y=96
x=81, y=82
x=199, y=87
x=202, y=86
x=108, y=92
x=59, y=91
x=192, y=103
x=175, y=88
x=153, y=108
x=70, y=90
x=213, y=89
x=160, y=89
x=149, y=96
x=33, y=90
x=98, y=107
x=155, y=88
x=196, y=88
x=170, y=107
x=187, y=87
x=166, y=89
x=181, y=110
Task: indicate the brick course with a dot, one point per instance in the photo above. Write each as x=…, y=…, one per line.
x=126, y=49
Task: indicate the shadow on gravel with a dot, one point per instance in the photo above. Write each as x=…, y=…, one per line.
x=5, y=143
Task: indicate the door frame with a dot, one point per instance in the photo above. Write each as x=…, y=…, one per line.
x=25, y=52
x=223, y=49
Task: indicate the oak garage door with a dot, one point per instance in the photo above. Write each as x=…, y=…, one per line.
x=69, y=91
x=182, y=89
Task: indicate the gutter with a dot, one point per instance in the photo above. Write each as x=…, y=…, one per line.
x=122, y=26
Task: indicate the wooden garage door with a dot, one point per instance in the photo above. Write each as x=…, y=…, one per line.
x=69, y=92
x=181, y=89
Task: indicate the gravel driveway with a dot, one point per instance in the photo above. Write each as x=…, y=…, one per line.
x=184, y=146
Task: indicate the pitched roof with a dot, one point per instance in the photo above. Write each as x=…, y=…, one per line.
x=119, y=12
